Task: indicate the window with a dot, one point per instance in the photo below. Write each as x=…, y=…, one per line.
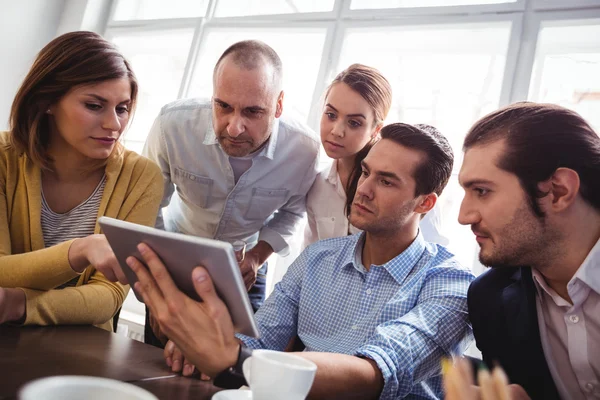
x=158, y=59
x=233, y=8
x=449, y=61
x=374, y=4
x=566, y=69
x=446, y=76
x=152, y=9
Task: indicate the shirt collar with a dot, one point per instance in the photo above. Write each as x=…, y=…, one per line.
x=398, y=267
x=210, y=137
x=333, y=177
x=267, y=151
x=542, y=286
x=589, y=271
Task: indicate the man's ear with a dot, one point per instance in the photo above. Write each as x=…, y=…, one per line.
x=561, y=190
x=427, y=203
x=279, y=105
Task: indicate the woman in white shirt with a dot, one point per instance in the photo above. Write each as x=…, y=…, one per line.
x=356, y=104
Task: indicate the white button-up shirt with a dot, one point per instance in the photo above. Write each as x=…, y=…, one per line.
x=201, y=195
x=326, y=207
x=570, y=333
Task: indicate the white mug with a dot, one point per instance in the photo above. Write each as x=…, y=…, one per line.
x=71, y=387
x=274, y=375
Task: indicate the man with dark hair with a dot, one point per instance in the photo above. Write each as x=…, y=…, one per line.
x=235, y=168
x=531, y=175
x=375, y=311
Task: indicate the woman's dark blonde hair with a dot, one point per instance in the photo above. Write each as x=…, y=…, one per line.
x=70, y=60
x=372, y=86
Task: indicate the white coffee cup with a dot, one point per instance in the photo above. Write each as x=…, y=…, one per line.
x=72, y=387
x=234, y=394
x=274, y=375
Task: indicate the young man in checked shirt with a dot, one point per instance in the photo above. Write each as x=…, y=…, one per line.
x=376, y=310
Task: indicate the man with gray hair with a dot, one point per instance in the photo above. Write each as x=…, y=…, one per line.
x=234, y=168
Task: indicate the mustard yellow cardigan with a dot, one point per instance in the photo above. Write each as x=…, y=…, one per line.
x=132, y=192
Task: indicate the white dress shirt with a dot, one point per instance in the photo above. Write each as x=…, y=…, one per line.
x=202, y=197
x=326, y=209
x=570, y=333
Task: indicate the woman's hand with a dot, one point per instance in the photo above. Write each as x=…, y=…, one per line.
x=94, y=250
x=12, y=304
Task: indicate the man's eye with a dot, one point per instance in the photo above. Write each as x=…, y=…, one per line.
x=481, y=192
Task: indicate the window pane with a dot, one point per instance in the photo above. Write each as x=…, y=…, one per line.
x=233, y=8
x=566, y=69
x=372, y=4
x=153, y=9
x=445, y=76
x=300, y=52
x=158, y=59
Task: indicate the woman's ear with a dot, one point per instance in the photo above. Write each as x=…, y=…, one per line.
x=375, y=134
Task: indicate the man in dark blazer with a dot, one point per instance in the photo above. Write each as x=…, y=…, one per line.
x=531, y=175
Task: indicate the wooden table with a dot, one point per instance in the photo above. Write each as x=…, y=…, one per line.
x=28, y=353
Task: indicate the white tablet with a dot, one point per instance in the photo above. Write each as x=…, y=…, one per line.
x=181, y=254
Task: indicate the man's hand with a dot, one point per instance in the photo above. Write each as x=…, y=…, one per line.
x=203, y=331
x=459, y=385
x=178, y=363
x=12, y=304
x=253, y=260
x=249, y=268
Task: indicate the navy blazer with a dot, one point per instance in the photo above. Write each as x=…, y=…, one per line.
x=502, y=309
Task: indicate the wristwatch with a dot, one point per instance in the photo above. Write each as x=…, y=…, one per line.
x=233, y=377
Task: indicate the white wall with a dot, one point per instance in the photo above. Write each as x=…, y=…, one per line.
x=25, y=27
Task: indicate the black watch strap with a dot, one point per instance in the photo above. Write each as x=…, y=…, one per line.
x=233, y=377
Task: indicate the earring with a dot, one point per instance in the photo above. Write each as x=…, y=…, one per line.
x=48, y=111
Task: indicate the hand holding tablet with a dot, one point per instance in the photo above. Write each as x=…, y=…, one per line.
x=181, y=254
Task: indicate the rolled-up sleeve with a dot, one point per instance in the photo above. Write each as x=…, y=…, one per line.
x=408, y=349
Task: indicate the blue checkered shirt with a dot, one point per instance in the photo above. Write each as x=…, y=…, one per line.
x=405, y=314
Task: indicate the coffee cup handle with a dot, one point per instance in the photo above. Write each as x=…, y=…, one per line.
x=246, y=370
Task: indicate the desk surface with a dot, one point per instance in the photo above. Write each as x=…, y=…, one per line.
x=28, y=353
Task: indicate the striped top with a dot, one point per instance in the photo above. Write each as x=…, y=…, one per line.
x=76, y=223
